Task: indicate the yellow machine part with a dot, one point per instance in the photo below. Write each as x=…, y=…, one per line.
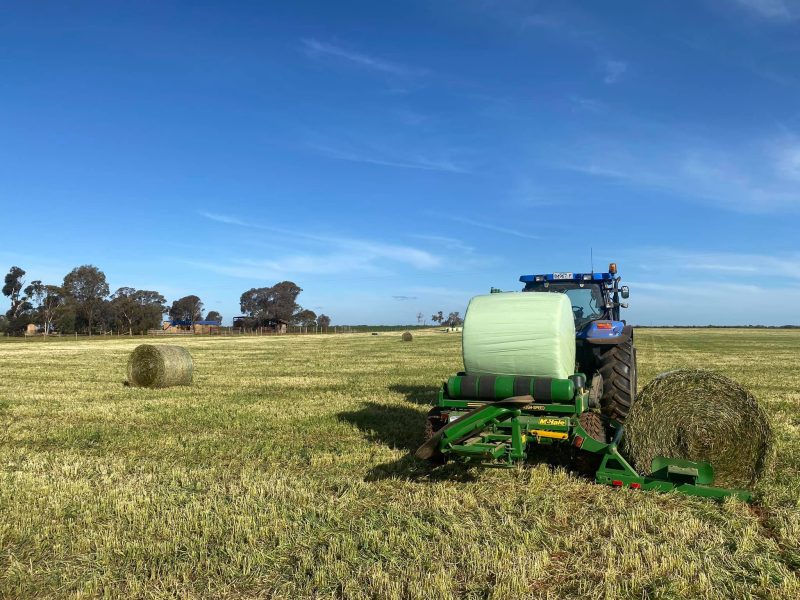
x=542, y=433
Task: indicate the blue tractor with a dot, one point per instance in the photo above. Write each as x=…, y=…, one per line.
x=604, y=342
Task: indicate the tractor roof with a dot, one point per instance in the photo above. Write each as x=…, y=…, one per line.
x=567, y=276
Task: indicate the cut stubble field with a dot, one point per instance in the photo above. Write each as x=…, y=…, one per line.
x=285, y=471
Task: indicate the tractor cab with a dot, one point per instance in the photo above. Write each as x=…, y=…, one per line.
x=594, y=297
x=604, y=342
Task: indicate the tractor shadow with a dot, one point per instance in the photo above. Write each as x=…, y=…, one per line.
x=410, y=468
x=398, y=427
x=417, y=394
x=402, y=428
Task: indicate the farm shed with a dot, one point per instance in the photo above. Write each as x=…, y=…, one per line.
x=186, y=326
x=207, y=326
x=268, y=326
x=277, y=325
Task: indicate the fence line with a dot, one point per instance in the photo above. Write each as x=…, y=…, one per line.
x=229, y=331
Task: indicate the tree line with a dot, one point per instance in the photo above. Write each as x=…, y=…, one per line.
x=452, y=320
x=83, y=303
x=265, y=305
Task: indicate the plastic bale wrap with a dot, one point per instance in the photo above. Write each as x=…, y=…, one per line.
x=407, y=337
x=699, y=415
x=519, y=333
x=160, y=366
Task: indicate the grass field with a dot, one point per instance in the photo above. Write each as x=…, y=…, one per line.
x=285, y=472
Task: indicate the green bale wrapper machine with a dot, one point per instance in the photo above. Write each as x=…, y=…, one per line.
x=519, y=392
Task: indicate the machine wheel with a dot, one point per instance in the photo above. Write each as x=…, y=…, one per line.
x=434, y=423
x=617, y=365
x=593, y=424
x=587, y=463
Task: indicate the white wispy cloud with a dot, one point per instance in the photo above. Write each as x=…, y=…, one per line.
x=775, y=268
x=318, y=48
x=781, y=10
x=590, y=105
x=375, y=157
x=760, y=176
x=492, y=227
x=778, y=266
x=334, y=254
x=415, y=257
x=566, y=23
x=223, y=219
x=715, y=289
x=613, y=70
x=292, y=265
x=718, y=304
x=787, y=160
x=446, y=292
x=672, y=285
x=447, y=242
x=542, y=21
x=529, y=193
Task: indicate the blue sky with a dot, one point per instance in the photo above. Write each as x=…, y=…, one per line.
x=393, y=158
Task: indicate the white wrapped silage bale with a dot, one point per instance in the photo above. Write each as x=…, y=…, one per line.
x=519, y=333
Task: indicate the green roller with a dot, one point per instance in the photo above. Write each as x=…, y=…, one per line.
x=500, y=387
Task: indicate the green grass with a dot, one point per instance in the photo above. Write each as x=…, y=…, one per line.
x=285, y=471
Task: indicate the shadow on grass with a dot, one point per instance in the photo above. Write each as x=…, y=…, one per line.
x=402, y=428
x=412, y=468
x=395, y=426
x=417, y=394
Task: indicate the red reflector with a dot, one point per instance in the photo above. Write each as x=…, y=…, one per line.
x=616, y=483
x=604, y=325
x=578, y=441
x=636, y=486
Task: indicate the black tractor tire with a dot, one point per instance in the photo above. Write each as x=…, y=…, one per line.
x=587, y=463
x=617, y=365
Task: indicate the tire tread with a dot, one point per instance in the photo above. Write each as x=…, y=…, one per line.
x=617, y=365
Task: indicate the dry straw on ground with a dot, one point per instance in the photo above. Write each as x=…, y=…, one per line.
x=160, y=366
x=407, y=337
x=700, y=415
x=287, y=474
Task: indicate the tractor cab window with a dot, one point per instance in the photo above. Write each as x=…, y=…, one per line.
x=587, y=302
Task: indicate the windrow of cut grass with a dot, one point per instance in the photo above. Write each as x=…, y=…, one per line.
x=285, y=471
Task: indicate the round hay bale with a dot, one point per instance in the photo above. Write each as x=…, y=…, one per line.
x=407, y=337
x=699, y=415
x=160, y=366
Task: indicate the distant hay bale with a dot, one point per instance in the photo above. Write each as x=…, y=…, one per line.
x=160, y=366
x=407, y=337
x=699, y=415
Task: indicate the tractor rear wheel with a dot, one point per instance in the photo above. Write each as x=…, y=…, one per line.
x=617, y=365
